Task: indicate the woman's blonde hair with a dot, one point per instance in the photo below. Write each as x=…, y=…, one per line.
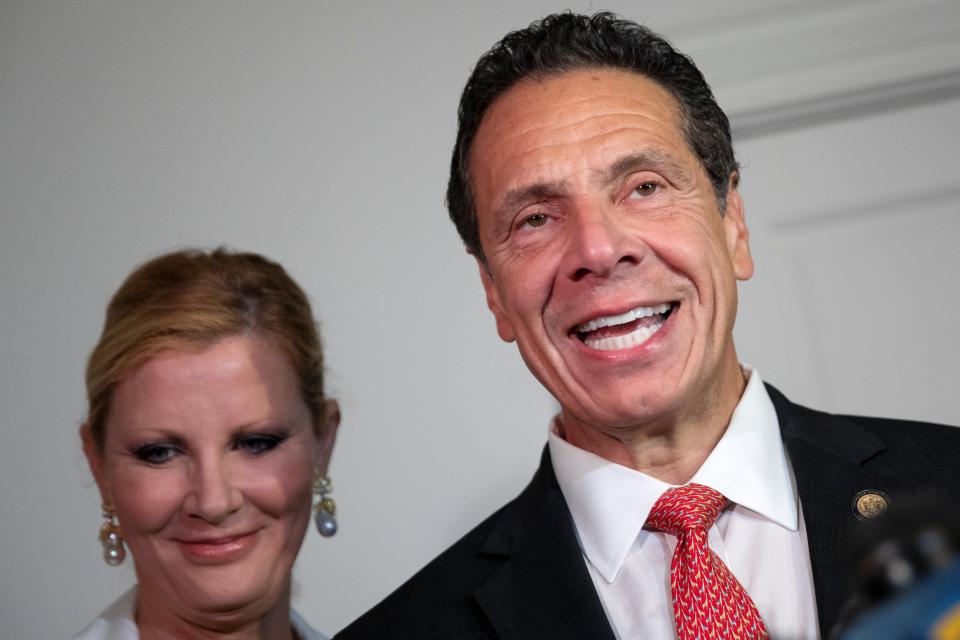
x=190, y=299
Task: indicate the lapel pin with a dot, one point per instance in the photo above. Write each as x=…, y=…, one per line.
x=869, y=503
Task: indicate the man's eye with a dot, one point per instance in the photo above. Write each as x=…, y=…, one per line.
x=156, y=453
x=646, y=189
x=258, y=444
x=536, y=220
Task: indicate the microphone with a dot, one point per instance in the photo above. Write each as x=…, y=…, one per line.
x=906, y=574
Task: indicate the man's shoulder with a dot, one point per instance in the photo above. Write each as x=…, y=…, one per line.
x=892, y=430
x=925, y=451
x=910, y=447
x=435, y=599
x=836, y=458
x=440, y=600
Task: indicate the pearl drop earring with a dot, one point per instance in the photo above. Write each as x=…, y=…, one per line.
x=324, y=508
x=110, y=538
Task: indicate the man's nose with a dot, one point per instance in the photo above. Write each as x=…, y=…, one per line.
x=597, y=244
x=214, y=496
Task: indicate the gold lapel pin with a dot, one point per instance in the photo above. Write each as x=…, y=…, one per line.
x=869, y=503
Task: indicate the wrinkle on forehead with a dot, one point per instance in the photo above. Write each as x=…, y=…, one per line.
x=543, y=113
x=548, y=99
x=546, y=137
x=558, y=127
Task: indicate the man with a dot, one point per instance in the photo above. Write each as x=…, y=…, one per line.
x=594, y=182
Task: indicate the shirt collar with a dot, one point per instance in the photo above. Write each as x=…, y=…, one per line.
x=610, y=503
x=749, y=464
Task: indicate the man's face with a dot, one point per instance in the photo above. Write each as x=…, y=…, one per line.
x=607, y=258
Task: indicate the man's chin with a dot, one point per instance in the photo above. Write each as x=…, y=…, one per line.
x=623, y=413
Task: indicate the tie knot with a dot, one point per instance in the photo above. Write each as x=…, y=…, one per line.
x=693, y=506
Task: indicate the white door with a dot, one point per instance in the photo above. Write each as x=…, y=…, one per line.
x=854, y=306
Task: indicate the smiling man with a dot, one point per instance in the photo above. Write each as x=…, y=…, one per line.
x=594, y=182
x=604, y=254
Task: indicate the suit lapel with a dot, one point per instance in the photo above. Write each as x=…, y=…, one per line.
x=827, y=454
x=543, y=591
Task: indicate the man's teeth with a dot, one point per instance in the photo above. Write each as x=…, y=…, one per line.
x=603, y=341
x=623, y=318
x=636, y=337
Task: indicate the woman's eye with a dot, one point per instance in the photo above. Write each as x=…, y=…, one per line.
x=258, y=444
x=156, y=453
x=536, y=220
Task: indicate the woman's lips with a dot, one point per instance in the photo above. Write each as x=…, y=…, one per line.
x=217, y=550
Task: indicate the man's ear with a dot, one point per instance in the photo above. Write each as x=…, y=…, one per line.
x=504, y=326
x=736, y=233
x=326, y=435
x=95, y=461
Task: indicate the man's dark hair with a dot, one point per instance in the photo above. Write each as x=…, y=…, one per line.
x=565, y=42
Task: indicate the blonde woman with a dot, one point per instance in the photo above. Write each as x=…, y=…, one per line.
x=208, y=435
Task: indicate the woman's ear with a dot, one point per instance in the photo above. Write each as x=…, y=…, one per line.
x=95, y=460
x=326, y=435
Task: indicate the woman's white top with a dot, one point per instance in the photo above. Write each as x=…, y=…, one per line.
x=116, y=622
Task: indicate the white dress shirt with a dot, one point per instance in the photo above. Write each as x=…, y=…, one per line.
x=117, y=622
x=760, y=536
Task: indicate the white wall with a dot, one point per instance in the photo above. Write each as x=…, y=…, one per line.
x=318, y=133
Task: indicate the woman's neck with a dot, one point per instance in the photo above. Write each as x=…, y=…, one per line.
x=156, y=620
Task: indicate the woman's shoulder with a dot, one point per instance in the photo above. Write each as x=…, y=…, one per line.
x=303, y=629
x=116, y=622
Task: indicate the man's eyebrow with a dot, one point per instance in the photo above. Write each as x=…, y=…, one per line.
x=529, y=193
x=652, y=160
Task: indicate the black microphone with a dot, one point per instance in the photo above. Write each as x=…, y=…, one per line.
x=905, y=574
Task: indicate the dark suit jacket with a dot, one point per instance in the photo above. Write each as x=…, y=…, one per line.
x=520, y=574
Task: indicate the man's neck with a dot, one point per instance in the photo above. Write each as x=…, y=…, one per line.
x=670, y=448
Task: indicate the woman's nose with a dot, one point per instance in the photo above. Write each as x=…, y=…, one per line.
x=214, y=496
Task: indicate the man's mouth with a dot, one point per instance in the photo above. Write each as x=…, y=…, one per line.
x=625, y=330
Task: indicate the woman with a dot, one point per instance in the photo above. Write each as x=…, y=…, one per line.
x=207, y=432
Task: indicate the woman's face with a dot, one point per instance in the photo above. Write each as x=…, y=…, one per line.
x=208, y=463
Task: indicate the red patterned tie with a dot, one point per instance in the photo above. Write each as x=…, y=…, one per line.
x=708, y=602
